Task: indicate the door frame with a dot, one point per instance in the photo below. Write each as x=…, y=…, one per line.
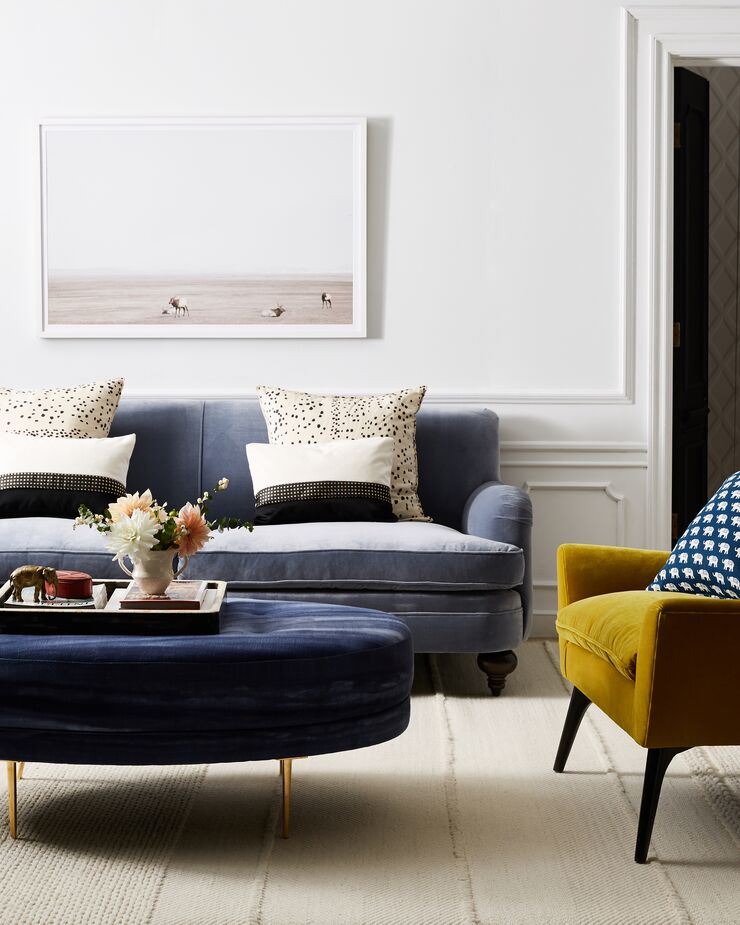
x=654, y=41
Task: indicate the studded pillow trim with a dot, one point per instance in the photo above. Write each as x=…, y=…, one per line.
x=300, y=417
x=320, y=491
x=63, y=481
x=80, y=411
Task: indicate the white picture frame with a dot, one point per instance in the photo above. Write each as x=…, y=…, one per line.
x=279, y=220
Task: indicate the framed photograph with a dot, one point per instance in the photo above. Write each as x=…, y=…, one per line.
x=204, y=228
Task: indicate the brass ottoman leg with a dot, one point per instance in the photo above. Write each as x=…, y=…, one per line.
x=286, y=767
x=21, y=768
x=12, y=793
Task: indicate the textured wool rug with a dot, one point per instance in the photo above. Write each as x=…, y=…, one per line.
x=460, y=821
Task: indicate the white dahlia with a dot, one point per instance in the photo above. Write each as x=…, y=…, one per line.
x=131, y=534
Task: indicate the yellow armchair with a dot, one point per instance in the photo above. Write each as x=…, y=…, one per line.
x=662, y=665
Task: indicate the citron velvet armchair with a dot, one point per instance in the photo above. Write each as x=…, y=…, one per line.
x=663, y=666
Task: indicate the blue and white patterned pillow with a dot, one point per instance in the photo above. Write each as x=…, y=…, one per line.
x=706, y=560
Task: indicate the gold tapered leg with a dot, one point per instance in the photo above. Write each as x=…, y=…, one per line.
x=21, y=768
x=12, y=794
x=286, y=767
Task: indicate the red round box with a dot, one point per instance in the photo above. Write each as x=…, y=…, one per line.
x=72, y=584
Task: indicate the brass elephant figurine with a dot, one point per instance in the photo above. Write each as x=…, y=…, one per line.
x=34, y=576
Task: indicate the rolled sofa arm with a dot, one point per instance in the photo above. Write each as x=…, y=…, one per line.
x=504, y=513
x=585, y=571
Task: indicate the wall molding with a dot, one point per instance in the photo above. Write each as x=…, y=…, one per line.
x=439, y=398
x=607, y=488
x=576, y=446
x=573, y=464
x=654, y=40
x=568, y=454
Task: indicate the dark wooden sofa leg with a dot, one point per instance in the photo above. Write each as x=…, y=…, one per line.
x=657, y=763
x=578, y=705
x=497, y=665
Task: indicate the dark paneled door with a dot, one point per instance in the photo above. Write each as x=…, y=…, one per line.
x=690, y=296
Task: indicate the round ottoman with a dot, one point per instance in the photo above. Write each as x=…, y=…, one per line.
x=281, y=680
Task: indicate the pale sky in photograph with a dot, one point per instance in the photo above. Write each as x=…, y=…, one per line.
x=229, y=200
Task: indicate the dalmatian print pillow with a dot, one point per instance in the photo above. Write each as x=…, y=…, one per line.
x=706, y=560
x=299, y=417
x=79, y=411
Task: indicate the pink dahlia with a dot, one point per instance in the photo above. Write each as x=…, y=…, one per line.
x=194, y=531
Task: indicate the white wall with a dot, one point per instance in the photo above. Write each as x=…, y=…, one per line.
x=493, y=226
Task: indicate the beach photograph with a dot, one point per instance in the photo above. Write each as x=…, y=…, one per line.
x=226, y=229
x=196, y=300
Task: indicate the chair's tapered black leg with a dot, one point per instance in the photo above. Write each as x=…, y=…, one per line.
x=578, y=705
x=657, y=763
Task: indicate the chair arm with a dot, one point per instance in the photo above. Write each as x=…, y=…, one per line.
x=686, y=682
x=501, y=512
x=585, y=571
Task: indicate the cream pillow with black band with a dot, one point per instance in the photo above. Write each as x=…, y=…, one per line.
x=78, y=411
x=299, y=417
x=52, y=476
x=341, y=480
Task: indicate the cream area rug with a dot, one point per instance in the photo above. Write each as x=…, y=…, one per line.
x=460, y=821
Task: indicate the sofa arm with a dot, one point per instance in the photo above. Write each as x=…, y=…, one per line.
x=585, y=571
x=504, y=513
x=686, y=689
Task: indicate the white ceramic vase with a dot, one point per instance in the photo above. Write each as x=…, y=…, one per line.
x=153, y=571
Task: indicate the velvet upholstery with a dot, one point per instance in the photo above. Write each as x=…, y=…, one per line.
x=454, y=621
x=280, y=680
x=681, y=689
x=464, y=585
x=368, y=556
x=169, y=442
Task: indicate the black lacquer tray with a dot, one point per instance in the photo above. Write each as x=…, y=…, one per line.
x=48, y=620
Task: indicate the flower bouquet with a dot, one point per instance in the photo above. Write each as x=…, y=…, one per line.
x=150, y=534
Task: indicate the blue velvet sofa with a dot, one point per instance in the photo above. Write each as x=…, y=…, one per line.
x=462, y=583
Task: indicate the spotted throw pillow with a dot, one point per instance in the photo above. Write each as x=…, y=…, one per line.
x=299, y=417
x=706, y=560
x=78, y=411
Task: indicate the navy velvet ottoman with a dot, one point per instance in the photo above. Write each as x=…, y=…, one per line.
x=281, y=680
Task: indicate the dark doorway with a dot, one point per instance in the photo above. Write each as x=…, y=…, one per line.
x=690, y=296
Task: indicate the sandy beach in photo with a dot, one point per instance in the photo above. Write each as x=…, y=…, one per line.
x=97, y=299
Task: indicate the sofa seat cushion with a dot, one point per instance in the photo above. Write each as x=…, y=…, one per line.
x=358, y=556
x=610, y=625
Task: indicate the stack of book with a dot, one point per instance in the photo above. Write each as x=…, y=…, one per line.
x=180, y=595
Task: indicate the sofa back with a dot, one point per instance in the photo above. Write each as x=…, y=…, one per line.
x=184, y=446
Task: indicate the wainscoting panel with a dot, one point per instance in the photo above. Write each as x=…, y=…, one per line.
x=581, y=493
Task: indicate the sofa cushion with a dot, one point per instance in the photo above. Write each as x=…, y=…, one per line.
x=53, y=476
x=299, y=417
x=407, y=555
x=410, y=555
x=77, y=411
x=339, y=480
